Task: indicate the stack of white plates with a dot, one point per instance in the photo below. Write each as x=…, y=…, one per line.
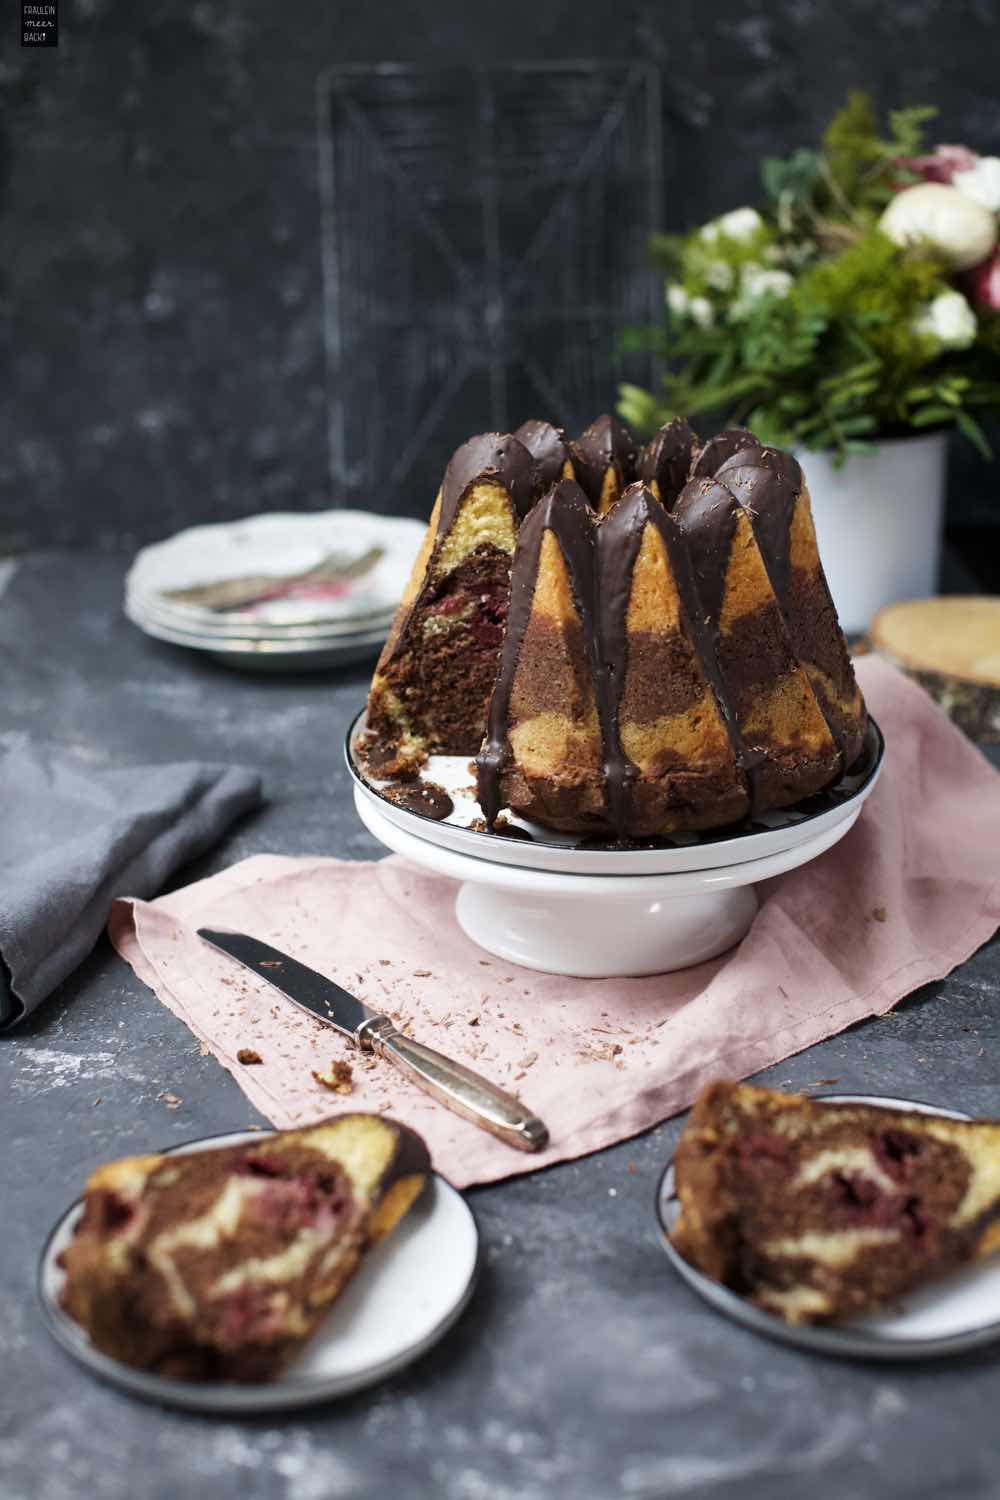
x=276, y=592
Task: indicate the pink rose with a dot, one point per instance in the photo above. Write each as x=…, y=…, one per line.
x=941, y=164
x=983, y=282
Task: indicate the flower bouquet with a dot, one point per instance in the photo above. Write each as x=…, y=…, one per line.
x=860, y=302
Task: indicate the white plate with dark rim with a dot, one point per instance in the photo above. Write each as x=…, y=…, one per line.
x=407, y=1293
x=547, y=849
x=958, y=1313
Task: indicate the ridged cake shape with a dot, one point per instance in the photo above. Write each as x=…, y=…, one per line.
x=604, y=458
x=549, y=448
x=665, y=461
x=544, y=708
x=643, y=656
x=787, y=749
x=772, y=489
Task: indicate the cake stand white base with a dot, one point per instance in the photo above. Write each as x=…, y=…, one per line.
x=593, y=937
x=597, y=926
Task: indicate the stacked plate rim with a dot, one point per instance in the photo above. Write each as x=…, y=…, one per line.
x=345, y=617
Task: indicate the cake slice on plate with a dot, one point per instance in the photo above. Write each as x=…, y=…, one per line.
x=220, y=1264
x=816, y=1210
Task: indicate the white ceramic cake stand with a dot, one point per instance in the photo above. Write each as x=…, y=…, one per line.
x=592, y=925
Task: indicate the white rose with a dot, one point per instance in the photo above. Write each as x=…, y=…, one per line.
x=981, y=182
x=701, y=311
x=949, y=319
x=739, y=224
x=719, y=273
x=757, y=281
x=683, y=306
x=678, y=300
x=961, y=230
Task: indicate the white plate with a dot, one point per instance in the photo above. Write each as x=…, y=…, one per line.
x=150, y=607
x=283, y=654
x=776, y=832
x=279, y=544
x=960, y=1312
x=406, y=1295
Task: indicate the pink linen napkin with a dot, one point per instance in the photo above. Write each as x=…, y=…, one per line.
x=911, y=891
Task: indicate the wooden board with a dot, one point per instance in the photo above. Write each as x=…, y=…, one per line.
x=951, y=646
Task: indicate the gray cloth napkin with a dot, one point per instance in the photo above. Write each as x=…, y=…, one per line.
x=74, y=836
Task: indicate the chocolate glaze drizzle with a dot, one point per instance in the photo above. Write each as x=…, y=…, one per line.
x=600, y=554
x=547, y=446
x=606, y=443
x=666, y=458
x=696, y=521
x=715, y=452
x=564, y=511
x=491, y=455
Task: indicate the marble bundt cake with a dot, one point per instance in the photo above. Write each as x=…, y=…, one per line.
x=816, y=1211
x=220, y=1264
x=636, y=640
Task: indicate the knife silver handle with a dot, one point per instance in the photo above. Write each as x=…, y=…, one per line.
x=455, y=1086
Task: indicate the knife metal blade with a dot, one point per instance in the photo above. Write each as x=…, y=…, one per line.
x=311, y=991
x=467, y=1093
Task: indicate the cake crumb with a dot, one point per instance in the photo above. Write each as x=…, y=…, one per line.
x=271, y=963
x=421, y=973
x=170, y=1100
x=204, y=1050
x=338, y=1077
x=248, y=1057
x=880, y=914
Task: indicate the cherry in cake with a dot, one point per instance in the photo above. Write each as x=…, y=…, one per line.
x=817, y=1211
x=220, y=1264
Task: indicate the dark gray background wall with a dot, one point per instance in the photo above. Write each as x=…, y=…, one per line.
x=161, y=295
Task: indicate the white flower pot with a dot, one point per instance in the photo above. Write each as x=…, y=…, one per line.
x=878, y=523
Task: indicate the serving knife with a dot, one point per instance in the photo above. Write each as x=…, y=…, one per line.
x=452, y=1084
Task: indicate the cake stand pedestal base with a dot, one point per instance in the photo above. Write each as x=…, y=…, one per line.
x=596, y=926
x=594, y=936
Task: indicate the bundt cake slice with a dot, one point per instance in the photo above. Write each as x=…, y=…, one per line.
x=434, y=677
x=604, y=459
x=218, y=1265
x=542, y=755
x=772, y=488
x=817, y=1211
x=786, y=748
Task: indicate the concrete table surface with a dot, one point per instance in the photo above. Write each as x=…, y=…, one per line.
x=583, y=1367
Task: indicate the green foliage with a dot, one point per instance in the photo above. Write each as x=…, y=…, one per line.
x=808, y=325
